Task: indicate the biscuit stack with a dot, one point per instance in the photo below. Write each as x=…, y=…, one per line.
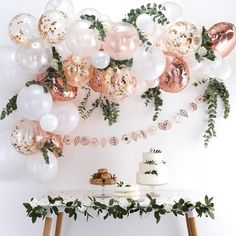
x=102, y=177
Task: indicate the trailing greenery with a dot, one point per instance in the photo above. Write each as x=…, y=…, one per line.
x=49, y=146
x=207, y=44
x=151, y=172
x=215, y=90
x=154, y=10
x=152, y=95
x=150, y=162
x=95, y=24
x=32, y=82
x=116, y=210
x=11, y=106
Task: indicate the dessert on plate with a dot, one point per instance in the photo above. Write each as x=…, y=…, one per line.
x=103, y=177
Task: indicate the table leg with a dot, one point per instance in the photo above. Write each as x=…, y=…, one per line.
x=191, y=224
x=47, y=226
x=59, y=224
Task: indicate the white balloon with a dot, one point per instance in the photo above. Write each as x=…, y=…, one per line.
x=152, y=83
x=12, y=76
x=39, y=170
x=33, y=102
x=49, y=122
x=204, y=70
x=67, y=115
x=65, y=6
x=12, y=163
x=82, y=42
x=192, y=62
x=100, y=60
x=34, y=56
x=141, y=86
x=222, y=71
x=63, y=50
x=173, y=11
x=145, y=23
x=88, y=11
x=217, y=61
x=149, y=64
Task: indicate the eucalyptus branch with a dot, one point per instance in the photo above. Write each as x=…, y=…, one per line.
x=50, y=146
x=33, y=82
x=120, y=64
x=11, y=106
x=95, y=24
x=152, y=95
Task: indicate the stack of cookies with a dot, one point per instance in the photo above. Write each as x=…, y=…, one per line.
x=102, y=177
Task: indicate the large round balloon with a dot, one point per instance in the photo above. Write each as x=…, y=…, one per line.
x=56, y=142
x=67, y=115
x=149, y=64
x=34, y=56
x=13, y=77
x=96, y=82
x=173, y=11
x=182, y=38
x=118, y=84
x=121, y=41
x=33, y=102
x=223, y=37
x=53, y=26
x=82, y=41
x=78, y=71
x=12, y=163
x=176, y=75
x=27, y=137
x=58, y=91
x=22, y=28
x=39, y=170
x=65, y=6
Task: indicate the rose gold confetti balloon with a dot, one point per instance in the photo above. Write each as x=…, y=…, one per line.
x=27, y=137
x=22, y=28
x=121, y=41
x=96, y=82
x=118, y=84
x=53, y=26
x=223, y=36
x=58, y=91
x=78, y=71
x=182, y=38
x=56, y=141
x=176, y=75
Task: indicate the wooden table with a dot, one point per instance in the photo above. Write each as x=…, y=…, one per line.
x=165, y=196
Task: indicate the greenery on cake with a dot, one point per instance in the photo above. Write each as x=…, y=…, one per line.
x=153, y=150
x=150, y=162
x=151, y=172
x=123, y=184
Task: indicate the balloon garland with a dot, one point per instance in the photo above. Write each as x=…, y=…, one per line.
x=60, y=54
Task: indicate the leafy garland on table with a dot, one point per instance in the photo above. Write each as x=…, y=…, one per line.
x=215, y=90
x=113, y=209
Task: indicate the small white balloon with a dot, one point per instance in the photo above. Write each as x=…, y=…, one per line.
x=222, y=71
x=67, y=115
x=149, y=64
x=49, y=122
x=217, y=61
x=34, y=56
x=33, y=102
x=65, y=6
x=12, y=163
x=100, y=60
x=145, y=23
x=173, y=12
x=39, y=170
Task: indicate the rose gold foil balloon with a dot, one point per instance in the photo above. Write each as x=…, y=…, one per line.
x=223, y=36
x=27, y=137
x=58, y=92
x=78, y=71
x=118, y=84
x=56, y=141
x=96, y=82
x=176, y=75
x=121, y=41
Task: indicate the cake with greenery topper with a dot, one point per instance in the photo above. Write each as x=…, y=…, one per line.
x=152, y=169
x=124, y=190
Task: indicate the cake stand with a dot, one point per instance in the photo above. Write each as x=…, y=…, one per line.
x=103, y=194
x=152, y=189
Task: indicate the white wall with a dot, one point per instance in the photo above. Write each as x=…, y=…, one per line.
x=211, y=170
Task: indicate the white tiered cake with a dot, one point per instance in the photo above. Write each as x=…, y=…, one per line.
x=152, y=170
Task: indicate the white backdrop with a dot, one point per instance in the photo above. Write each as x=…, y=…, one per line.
x=211, y=170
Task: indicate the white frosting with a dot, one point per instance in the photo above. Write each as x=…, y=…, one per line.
x=127, y=189
x=128, y=192
x=149, y=156
x=149, y=179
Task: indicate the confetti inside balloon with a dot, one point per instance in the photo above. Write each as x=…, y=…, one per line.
x=78, y=71
x=121, y=41
x=96, y=82
x=27, y=137
x=118, y=84
x=53, y=26
x=223, y=36
x=176, y=75
x=182, y=38
x=22, y=28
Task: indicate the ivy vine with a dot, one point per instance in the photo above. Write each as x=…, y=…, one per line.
x=11, y=106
